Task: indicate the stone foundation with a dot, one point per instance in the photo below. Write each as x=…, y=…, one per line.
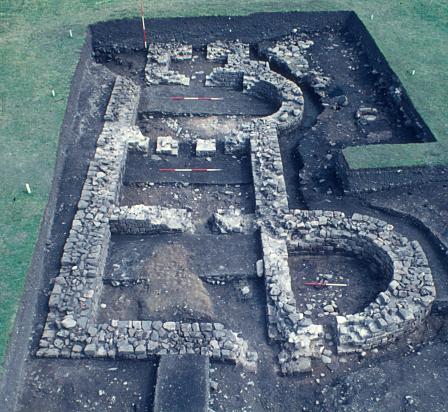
x=158, y=70
x=71, y=330
x=141, y=219
x=205, y=147
x=394, y=313
x=167, y=145
x=410, y=294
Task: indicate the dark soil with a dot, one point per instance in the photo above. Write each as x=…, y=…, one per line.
x=209, y=256
x=363, y=284
x=426, y=204
x=158, y=99
x=164, y=275
x=189, y=128
x=86, y=385
x=413, y=382
x=146, y=169
x=262, y=389
x=408, y=375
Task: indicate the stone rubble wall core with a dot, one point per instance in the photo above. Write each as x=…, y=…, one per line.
x=232, y=221
x=289, y=55
x=160, y=56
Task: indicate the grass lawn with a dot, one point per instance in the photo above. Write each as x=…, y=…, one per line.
x=37, y=55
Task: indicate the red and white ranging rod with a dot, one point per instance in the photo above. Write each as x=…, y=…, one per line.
x=194, y=169
x=143, y=26
x=195, y=98
x=324, y=284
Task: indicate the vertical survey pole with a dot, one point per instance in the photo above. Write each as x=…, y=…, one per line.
x=143, y=26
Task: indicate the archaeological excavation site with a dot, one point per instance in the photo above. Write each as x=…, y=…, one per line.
x=210, y=246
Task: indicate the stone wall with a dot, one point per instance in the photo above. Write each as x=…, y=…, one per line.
x=237, y=141
x=289, y=56
x=71, y=330
x=143, y=339
x=142, y=219
x=257, y=78
x=410, y=293
x=77, y=287
x=157, y=70
x=301, y=340
x=229, y=52
x=267, y=171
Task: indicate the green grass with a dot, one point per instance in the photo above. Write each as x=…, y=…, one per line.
x=397, y=155
x=37, y=55
x=413, y=36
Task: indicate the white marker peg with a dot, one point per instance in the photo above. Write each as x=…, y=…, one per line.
x=28, y=189
x=371, y=17
x=70, y=33
x=53, y=93
x=413, y=73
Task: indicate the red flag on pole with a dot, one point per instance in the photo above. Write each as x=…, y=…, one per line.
x=143, y=25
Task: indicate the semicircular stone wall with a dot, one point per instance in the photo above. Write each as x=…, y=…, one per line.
x=395, y=311
x=410, y=293
x=257, y=79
